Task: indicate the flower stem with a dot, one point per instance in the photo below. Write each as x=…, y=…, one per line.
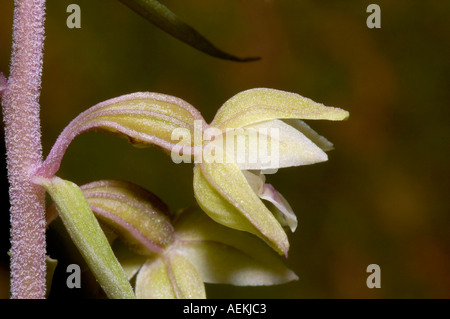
x=24, y=151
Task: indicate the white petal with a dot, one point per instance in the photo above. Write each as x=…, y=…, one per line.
x=319, y=140
x=284, y=214
x=288, y=216
x=278, y=145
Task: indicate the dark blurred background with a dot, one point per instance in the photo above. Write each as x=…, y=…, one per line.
x=382, y=198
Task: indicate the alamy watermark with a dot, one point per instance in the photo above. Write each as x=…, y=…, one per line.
x=374, y=19
x=73, y=21
x=374, y=279
x=74, y=279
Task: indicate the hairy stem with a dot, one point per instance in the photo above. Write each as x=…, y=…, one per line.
x=23, y=146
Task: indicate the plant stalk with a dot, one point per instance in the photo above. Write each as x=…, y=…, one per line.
x=24, y=151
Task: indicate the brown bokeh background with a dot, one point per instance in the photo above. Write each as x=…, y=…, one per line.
x=382, y=198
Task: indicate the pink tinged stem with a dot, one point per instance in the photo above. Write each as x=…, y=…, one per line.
x=23, y=146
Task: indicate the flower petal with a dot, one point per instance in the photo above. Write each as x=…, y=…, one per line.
x=306, y=130
x=283, y=211
x=169, y=277
x=137, y=215
x=222, y=255
x=262, y=104
x=225, y=195
x=286, y=215
x=153, y=281
x=270, y=145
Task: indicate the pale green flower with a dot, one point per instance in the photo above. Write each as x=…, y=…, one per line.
x=172, y=256
x=230, y=187
x=228, y=192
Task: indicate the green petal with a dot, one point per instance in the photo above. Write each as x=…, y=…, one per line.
x=153, y=281
x=169, y=277
x=145, y=118
x=137, y=215
x=261, y=104
x=187, y=280
x=88, y=236
x=225, y=195
x=223, y=255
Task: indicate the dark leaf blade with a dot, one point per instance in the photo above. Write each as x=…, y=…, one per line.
x=169, y=22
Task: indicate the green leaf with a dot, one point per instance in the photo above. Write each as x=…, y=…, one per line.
x=171, y=276
x=223, y=192
x=225, y=256
x=88, y=236
x=166, y=20
x=262, y=104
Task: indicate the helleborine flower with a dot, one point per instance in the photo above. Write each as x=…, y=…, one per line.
x=203, y=252
x=172, y=257
x=230, y=187
x=229, y=193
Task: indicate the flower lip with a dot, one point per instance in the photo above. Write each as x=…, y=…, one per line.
x=283, y=211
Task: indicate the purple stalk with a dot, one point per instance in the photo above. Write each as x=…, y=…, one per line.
x=23, y=146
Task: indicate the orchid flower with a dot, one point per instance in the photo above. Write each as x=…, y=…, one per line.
x=171, y=256
x=230, y=191
x=229, y=181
